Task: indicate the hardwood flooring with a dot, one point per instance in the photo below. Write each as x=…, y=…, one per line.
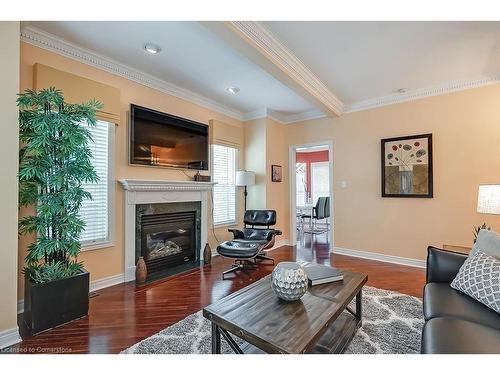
x=124, y=314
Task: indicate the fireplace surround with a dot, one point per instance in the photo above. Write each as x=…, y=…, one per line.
x=167, y=236
x=140, y=194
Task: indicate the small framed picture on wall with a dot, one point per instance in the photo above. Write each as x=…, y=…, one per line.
x=276, y=173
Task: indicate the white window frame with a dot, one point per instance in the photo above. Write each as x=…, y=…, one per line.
x=236, y=167
x=108, y=242
x=324, y=164
x=297, y=180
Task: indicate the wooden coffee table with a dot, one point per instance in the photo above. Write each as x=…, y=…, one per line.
x=314, y=324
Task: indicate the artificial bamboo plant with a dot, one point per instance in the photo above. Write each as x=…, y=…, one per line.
x=54, y=161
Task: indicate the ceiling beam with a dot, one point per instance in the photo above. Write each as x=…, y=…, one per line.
x=257, y=44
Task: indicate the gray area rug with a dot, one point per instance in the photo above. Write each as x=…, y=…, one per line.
x=392, y=324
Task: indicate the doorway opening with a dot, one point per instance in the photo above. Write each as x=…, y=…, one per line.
x=311, y=194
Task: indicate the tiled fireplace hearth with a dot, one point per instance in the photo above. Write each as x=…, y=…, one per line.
x=165, y=222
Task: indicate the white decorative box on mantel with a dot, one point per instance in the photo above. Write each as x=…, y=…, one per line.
x=160, y=191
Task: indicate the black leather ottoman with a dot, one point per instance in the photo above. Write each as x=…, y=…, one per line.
x=240, y=249
x=243, y=252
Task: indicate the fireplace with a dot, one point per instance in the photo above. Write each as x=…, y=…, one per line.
x=167, y=237
x=168, y=240
x=148, y=197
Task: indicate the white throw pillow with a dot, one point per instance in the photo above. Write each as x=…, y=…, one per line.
x=489, y=243
x=479, y=278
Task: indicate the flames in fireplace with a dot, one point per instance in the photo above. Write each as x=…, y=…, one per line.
x=158, y=244
x=168, y=240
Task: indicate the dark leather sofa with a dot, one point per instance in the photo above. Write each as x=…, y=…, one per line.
x=454, y=322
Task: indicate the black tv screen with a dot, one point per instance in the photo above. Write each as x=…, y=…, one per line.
x=160, y=139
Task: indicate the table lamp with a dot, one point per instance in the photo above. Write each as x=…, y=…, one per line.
x=488, y=202
x=245, y=178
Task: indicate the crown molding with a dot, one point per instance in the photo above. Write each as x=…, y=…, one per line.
x=265, y=113
x=280, y=55
x=254, y=115
x=417, y=94
x=304, y=116
x=410, y=95
x=277, y=116
x=42, y=39
x=291, y=65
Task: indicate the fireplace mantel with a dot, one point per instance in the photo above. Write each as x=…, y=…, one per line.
x=160, y=191
x=162, y=185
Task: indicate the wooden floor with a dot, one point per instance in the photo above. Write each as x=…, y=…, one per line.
x=122, y=315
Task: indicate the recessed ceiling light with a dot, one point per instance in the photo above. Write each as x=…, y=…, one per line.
x=232, y=90
x=402, y=90
x=152, y=48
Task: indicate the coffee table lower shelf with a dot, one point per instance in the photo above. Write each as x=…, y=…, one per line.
x=335, y=340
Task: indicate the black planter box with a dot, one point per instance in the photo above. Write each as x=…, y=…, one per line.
x=54, y=303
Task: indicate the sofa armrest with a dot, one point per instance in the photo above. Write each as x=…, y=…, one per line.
x=236, y=233
x=443, y=265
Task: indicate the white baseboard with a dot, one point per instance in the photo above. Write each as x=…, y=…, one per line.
x=129, y=274
x=9, y=337
x=94, y=285
x=380, y=257
x=20, y=306
x=107, y=282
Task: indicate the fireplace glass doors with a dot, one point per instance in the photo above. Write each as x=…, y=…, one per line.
x=167, y=240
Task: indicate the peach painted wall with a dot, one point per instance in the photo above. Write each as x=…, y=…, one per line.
x=108, y=262
x=265, y=145
x=278, y=192
x=9, y=68
x=466, y=136
x=255, y=161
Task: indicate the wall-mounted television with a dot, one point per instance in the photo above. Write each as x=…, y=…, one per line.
x=160, y=139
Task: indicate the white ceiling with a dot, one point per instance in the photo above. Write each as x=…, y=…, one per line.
x=191, y=57
x=365, y=60
x=362, y=63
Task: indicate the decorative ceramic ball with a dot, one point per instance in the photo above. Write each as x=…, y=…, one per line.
x=289, y=281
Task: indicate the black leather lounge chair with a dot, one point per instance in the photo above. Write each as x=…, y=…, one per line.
x=249, y=243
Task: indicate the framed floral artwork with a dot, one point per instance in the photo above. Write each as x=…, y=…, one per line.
x=276, y=173
x=407, y=166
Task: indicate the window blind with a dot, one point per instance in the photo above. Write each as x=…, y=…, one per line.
x=224, y=170
x=320, y=180
x=95, y=212
x=301, y=183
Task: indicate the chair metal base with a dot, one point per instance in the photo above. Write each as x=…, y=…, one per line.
x=243, y=265
x=251, y=258
x=264, y=257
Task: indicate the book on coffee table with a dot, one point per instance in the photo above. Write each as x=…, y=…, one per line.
x=320, y=274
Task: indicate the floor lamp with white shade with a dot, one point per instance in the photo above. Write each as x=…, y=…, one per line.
x=245, y=178
x=488, y=202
